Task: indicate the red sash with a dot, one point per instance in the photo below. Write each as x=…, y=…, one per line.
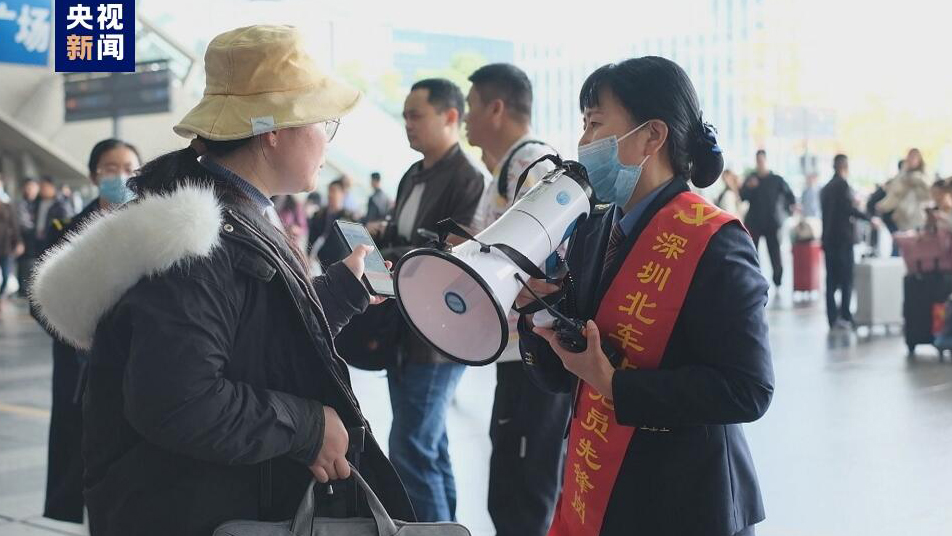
x=637, y=314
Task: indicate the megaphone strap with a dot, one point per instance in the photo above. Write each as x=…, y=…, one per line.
x=554, y=158
x=448, y=226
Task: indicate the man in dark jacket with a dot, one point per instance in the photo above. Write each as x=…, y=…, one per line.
x=52, y=215
x=445, y=184
x=839, y=235
x=771, y=201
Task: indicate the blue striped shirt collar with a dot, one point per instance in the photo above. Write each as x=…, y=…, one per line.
x=252, y=191
x=628, y=221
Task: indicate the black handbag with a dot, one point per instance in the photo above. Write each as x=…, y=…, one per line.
x=371, y=340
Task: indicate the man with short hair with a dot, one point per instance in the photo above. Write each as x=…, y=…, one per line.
x=771, y=201
x=446, y=183
x=52, y=214
x=378, y=205
x=839, y=211
x=528, y=423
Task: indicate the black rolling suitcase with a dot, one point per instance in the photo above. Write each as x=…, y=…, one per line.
x=922, y=292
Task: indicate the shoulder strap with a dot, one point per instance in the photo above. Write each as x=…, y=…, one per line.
x=448, y=226
x=503, y=184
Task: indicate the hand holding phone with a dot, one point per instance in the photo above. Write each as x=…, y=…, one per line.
x=377, y=277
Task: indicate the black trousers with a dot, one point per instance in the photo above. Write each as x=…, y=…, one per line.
x=839, y=276
x=64, y=477
x=525, y=470
x=24, y=274
x=773, y=248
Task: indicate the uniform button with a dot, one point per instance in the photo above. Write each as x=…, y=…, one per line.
x=228, y=228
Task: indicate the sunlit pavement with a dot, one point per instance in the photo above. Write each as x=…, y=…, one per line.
x=856, y=442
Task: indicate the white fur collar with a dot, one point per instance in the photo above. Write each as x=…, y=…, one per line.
x=76, y=283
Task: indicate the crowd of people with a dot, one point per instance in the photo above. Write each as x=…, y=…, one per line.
x=30, y=225
x=905, y=203
x=199, y=355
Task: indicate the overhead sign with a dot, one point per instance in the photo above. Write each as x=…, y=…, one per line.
x=800, y=122
x=25, y=31
x=99, y=95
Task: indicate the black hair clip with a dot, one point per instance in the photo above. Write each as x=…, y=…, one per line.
x=708, y=137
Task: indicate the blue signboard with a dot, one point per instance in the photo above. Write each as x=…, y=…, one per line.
x=25, y=31
x=95, y=36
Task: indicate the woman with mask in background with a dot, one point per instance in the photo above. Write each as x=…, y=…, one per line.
x=111, y=163
x=672, y=283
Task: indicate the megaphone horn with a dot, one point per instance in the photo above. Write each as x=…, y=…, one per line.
x=457, y=299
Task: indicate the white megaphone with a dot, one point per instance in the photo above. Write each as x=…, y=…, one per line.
x=458, y=299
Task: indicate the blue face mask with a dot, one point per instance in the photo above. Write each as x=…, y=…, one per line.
x=612, y=181
x=114, y=191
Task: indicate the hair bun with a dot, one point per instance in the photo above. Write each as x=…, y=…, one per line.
x=708, y=161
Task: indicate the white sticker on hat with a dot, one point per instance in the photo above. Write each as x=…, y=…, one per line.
x=260, y=125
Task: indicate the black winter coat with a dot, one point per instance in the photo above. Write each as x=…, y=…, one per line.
x=698, y=479
x=208, y=375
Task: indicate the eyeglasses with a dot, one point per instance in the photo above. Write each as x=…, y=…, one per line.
x=330, y=127
x=115, y=169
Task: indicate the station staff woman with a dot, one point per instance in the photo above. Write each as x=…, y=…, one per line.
x=655, y=445
x=215, y=391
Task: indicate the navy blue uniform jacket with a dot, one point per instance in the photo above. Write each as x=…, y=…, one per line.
x=698, y=478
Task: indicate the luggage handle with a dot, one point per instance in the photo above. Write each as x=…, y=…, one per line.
x=303, y=523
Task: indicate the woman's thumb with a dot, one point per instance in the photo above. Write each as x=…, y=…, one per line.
x=591, y=333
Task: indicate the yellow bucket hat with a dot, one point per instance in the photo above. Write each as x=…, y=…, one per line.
x=259, y=79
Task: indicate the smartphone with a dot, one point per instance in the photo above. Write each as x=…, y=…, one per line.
x=377, y=278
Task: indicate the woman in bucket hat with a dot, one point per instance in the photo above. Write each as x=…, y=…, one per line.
x=214, y=390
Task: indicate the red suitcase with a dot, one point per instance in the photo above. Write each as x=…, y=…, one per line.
x=806, y=266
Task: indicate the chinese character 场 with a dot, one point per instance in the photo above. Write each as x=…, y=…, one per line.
x=639, y=302
x=110, y=45
x=699, y=217
x=587, y=451
x=670, y=245
x=79, y=15
x=654, y=273
x=110, y=17
x=79, y=47
x=596, y=422
x=34, y=29
x=608, y=404
x=581, y=478
x=579, y=506
x=626, y=336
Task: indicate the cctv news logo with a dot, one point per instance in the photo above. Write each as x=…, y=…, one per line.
x=95, y=36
